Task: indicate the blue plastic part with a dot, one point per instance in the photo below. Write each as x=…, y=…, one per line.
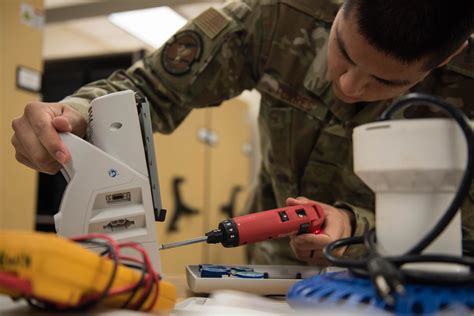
x=205, y=265
x=210, y=271
x=241, y=269
x=343, y=290
x=249, y=275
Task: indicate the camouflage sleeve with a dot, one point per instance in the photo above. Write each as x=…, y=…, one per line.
x=213, y=58
x=455, y=84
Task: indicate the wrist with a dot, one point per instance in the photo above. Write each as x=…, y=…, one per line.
x=349, y=220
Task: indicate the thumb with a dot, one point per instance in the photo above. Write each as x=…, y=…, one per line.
x=70, y=121
x=297, y=201
x=61, y=124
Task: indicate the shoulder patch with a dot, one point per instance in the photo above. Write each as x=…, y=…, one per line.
x=181, y=52
x=211, y=22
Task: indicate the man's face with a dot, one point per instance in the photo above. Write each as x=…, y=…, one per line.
x=359, y=72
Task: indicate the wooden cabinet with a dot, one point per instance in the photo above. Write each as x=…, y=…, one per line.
x=181, y=159
x=229, y=174
x=209, y=154
x=20, y=46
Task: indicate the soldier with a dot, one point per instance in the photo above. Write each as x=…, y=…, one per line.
x=322, y=67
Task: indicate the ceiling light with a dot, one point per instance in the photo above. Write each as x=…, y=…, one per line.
x=152, y=26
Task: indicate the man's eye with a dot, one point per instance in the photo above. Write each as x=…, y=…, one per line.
x=387, y=83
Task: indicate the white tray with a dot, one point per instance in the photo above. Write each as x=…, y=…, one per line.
x=280, y=279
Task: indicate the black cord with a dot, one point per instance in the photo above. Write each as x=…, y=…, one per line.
x=105, y=292
x=134, y=290
x=148, y=291
x=385, y=272
x=139, y=284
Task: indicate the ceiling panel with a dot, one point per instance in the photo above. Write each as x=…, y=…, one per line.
x=96, y=35
x=49, y=4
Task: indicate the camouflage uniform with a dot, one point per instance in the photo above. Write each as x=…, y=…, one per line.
x=278, y=47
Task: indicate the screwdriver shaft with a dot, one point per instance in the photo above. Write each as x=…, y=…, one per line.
x=183, y=243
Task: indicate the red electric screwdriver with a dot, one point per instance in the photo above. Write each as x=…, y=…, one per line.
x=255, y=227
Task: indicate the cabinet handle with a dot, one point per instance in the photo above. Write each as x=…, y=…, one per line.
x=180, y=208
x=229, y=208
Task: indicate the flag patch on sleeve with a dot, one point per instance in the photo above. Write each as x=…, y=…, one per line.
x=211, y=22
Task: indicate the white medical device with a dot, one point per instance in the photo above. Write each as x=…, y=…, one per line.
x=112, y=181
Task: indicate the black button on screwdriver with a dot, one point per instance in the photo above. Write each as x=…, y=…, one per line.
x=283, y=216
x=301, y=212
x=303, y=228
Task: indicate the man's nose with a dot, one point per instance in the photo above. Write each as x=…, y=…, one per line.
x=352, y=83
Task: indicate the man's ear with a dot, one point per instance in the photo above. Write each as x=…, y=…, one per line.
x=457, y=51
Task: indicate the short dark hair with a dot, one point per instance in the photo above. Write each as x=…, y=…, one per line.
x=410, y=30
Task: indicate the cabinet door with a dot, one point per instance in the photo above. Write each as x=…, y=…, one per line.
x=229, y=173
x=181, y=161
x=209, y=154
x=20, y=45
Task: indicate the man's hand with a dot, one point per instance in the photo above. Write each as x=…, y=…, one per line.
x=36, y=139
x=337, y=225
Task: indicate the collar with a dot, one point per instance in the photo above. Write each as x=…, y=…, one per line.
x=316, y=83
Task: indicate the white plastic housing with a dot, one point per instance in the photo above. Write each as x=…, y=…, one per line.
x=114, y=127
x=108, y=188
x=414, y=167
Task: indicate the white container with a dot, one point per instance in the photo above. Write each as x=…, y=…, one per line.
x=414, y=167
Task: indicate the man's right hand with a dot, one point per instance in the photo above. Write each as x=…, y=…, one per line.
x=36, y=135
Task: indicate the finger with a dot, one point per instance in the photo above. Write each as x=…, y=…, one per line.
x=303, y=255
x=61, y=124
x=313, y=258
x=70, y=120
x=27, y=143
x=319, y=262
x=20, y=153
x=297, y=201
x=51, y=168
x=17, y=145
x=43, y=164
x=333, y=225
x=309, y=254
x=24, y=160
x=309, y=241
x=39, y=117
